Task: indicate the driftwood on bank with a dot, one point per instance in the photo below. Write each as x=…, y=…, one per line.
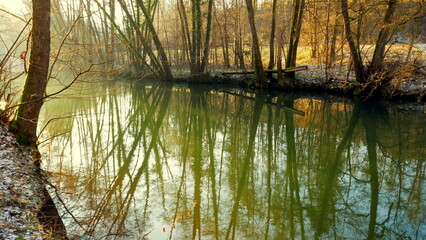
x=285, y=70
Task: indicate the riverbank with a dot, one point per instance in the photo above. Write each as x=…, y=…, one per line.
x=21, y=191
x=395, y=85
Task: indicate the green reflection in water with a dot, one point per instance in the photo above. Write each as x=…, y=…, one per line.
x=163, y=162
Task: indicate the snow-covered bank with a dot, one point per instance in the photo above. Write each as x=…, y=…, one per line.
x=21, y=190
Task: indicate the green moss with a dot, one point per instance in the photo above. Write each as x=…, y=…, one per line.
x=15, y=123
x=14, y=126
x=357, y=92
x=22, y=139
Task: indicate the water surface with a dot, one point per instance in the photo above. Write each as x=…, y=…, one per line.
x=168, y=162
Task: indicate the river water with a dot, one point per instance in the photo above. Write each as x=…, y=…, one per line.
x=140, y=161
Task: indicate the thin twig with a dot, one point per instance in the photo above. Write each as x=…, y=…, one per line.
x=61, y=45
x=72, y=82
x=65, y=207
x=12, y=14
x=8, y=53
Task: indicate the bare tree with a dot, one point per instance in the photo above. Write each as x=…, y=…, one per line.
x=383, y=38
x=258, y=65
x=296, y=26
x=225, y=36
x=25, y=124
x=354, y=47
x=272, y=37
x=207, y=38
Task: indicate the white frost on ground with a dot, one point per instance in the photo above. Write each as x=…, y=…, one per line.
x=20, y=191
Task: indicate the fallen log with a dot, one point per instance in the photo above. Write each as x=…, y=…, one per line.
x=285, y=70
x=291, y=110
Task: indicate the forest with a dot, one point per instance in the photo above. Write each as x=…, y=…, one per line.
x=215, y=119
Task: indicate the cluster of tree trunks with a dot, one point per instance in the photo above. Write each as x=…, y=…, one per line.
x=196, y=31
x=384, y=35
x=362, y=75
x=296, y=26
x=196, y=49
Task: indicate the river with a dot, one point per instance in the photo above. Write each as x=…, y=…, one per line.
x=166, y=161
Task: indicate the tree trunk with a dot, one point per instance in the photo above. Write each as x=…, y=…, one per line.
x=225, y=37
x=106, y=37
x=354, y=47
x=196, y=36
x=272, y=37
x=240, y=51
x=238, y=46
x=207, y=40
x=112, y=34
x=156, y=65
x=313, y=16
x=279, y=60
x=163, y=57
x=258, y=66
x=333, y=45
x=383, y=38
x=296, y=27
x=185, y=34
x=25, y=124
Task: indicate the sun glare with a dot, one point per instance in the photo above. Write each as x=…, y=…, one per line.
x=13, y=6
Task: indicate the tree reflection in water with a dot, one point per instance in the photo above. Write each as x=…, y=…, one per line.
x=161, y=162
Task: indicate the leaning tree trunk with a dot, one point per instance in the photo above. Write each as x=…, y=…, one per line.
x=355, y=53
x=25, y=124
x=258, y=65
x=383, y=38
x=163, y=56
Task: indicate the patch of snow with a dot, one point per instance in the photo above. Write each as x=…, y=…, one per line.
x=20, y=191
